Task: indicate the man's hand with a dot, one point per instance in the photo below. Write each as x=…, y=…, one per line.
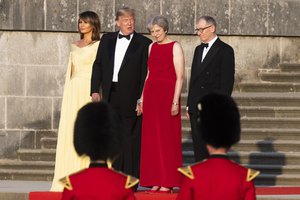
x=187, y=115
x=96, y=97
x=139, y=108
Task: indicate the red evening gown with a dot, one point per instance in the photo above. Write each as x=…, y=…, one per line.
x=161, y=133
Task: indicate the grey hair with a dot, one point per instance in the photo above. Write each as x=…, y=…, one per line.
x=160, y=21
x=209, y=20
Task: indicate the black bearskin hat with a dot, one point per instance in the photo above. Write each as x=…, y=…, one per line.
x=219, y=120
x=97, y=131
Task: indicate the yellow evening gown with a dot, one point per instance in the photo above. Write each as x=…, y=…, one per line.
x=76, y=94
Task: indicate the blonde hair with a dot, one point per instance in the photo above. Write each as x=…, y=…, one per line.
x=125, y=11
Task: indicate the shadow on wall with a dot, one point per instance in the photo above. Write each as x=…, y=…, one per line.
x=27, y=138
x=272, y=161
x=187, y=149
x=10, y=143
x=235, y=156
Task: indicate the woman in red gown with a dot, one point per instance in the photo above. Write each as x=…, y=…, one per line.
x=160, y=104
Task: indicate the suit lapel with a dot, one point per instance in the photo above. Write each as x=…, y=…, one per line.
x=130, y=50
x=112, y=44
x=111, y=49
x=199, y=58
x=209, y=56
x=196, y=62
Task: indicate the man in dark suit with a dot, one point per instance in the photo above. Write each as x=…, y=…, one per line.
x=212, y=70
x=118, y=73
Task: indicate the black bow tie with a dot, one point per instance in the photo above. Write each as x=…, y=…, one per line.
x=124, y=36
x=204, y=45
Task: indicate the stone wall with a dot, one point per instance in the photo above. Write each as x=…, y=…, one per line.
x=234, y=17
x=35, y=36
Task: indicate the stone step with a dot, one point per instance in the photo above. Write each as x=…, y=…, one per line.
x=273, y=179
x=273, y=134
x=277, y=76
x=36, y=154
x=263, y=111
x=273, y=99
x=270, y=122
x=26, y=170
x=183, y=109
x=185, y=122
x=258, y=134
x=276, y=169
x=266, y=87
x=266, y=158
x=289, y=67
x=40, y=134
x=270, y=99
x=25, y=165
x=48, y=143
x=254, y=157
x=183, y=100
x=268, y=111
x=29, y=175
x=14, y=195
x=186, y=133
x=261, y=122
x=278, y=197
x=267, y=145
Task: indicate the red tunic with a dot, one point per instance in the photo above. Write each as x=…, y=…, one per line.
x=217, y=178
x=98, y=183
x=161, y=133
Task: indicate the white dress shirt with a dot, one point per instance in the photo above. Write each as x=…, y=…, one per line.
x=206, y=49
x=121, y=48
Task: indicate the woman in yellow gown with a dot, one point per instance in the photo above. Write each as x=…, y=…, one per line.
x=76, y=94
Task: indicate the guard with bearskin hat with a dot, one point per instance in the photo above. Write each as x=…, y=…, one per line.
x=97, y=134
x=218, y=177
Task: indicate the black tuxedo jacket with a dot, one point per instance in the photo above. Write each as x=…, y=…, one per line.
x=214, y=74
x=131, y=75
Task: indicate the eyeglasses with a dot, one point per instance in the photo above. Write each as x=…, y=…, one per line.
x=202, y=29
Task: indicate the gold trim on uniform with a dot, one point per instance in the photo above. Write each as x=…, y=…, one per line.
x=66, y=182
x=131, y=181
x=252, y=174
x=187, y=171
x=109, y=163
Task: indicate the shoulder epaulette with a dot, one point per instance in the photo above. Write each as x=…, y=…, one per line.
x=66, y=182
x=109, y=163
x=131, y=181
x=187, y=171
x=252, y=174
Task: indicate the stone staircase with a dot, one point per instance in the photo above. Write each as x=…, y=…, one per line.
x=270, y=116
x=31, y=164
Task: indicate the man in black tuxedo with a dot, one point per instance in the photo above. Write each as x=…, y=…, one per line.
x=119, y=73
x=212, y=70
